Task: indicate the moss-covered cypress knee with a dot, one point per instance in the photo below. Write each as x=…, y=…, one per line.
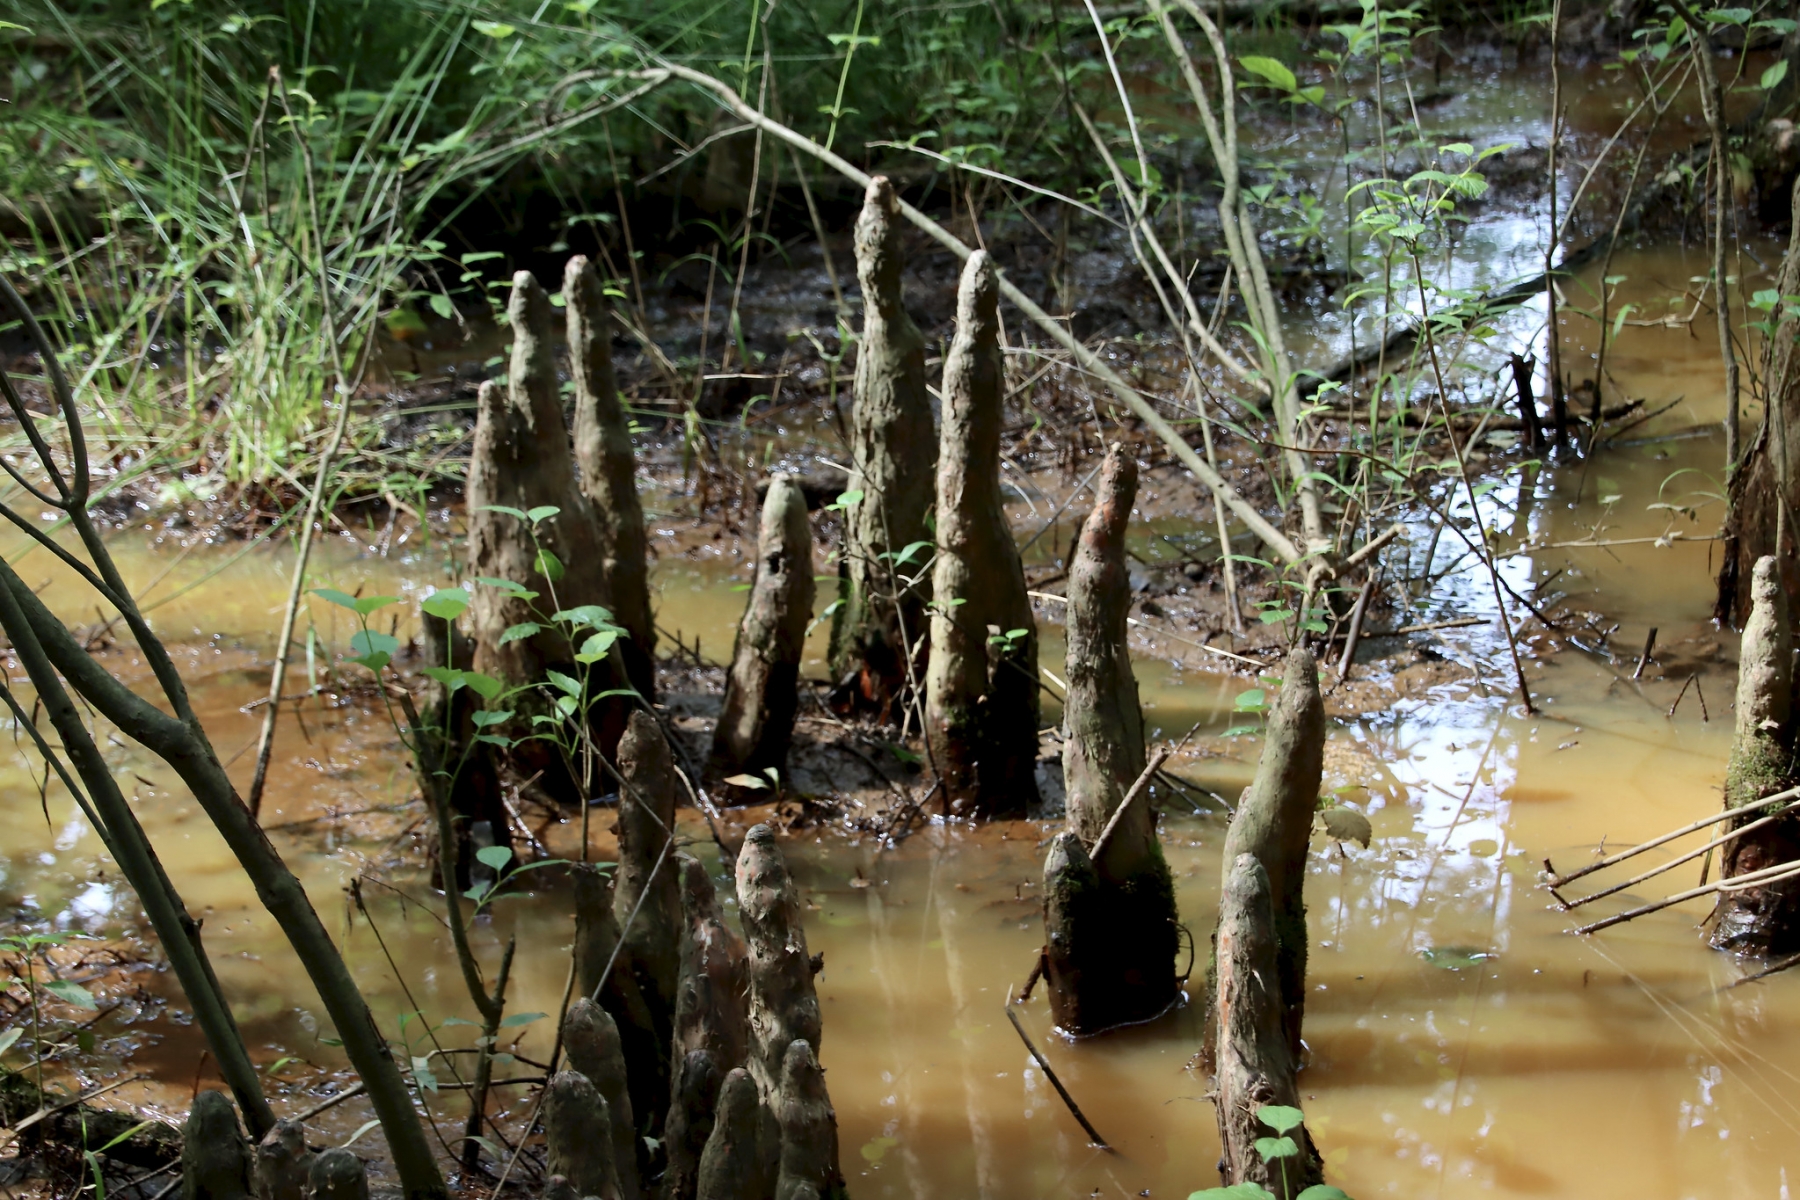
x=893, y=449
x=981, y=704
x=762, y=690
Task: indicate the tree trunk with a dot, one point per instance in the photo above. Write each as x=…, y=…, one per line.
x=893, y=449
x=1110, y=926
x=215, y=1158
x=578, y=1136
x=783, y=1003
x=1763, y=494
x=711, y=1027
x=1761, y=920
x=981, y=708
x=647, y=900
x=762, y=690
x=591, y=1042
x=609, y=471
x=1256, y=1064
x=521, y=460
x=1274, y=822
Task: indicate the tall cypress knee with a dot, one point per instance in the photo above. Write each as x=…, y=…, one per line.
x=1110, y=925
x=762, y=691
x=783, y=1003
x=981, y=686
x=647, y=900
x=609, y=471
x=1275, y=822
x=1761, y=920
x=893, y=449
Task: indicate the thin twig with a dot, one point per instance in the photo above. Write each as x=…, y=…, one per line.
x=1074, y=1109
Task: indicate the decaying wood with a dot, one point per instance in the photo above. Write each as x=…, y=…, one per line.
x=609, y=471
x=647, y=902
x=578, y=1135
x=1255, y=1062
x=521, y=459
x=337, y=1174
x=981, y=685
x=1110, y=922
x=762, y=689
x=1275, y=822
x=215, y=1157
x=809, y=1140
x=283, y=1162
x=893, y=451
x=591, y=1043
x=783, y=1004
x=740, y=1159
x=711, y=1027
x=1763, y=919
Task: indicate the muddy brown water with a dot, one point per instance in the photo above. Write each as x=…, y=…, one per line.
x=1462, y=1042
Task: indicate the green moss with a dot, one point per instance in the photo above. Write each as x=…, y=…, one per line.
x=1758, y=768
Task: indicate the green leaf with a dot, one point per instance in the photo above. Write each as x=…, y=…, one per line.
x=1274, y=1148
x=518, y=1019
x=369, y=604
x=494, y=29
x=341, y=599
x=440, y=304
x=494, y=856
x=70, y=992
x=488, y=717
x=845, y=500
x=9, y=1037
x=595, y=648
x=1322, y=1191
x=373, y=662
x=461, y=1021
x=1282, y=1118
x=446, y=604
x=368, y=642
x=1344, y=825
x=1272, y=70
x=588, y=615
x=1773, y=75
x=908, y=551
x=485, y=686
x=542, y=512
x=507, y=585
x=505, y=511
x=450, y=677
x=519, y=632
x=548, y=565
x=753, y=782
x=559, y=680
x=1254, y=700
x=1237, y=1191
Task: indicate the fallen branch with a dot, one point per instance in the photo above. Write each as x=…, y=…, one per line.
x=1737, y=883
x=1074, y=1108
x=1557, y=881
x=1676, y=862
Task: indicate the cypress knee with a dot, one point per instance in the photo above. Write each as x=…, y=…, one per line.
x=643, y=1039
x=282, y=1162
x=521, y=460
x=609, y=470
x=981, y=706
x=783, y=1004
x=1256, y=1064
x=215, y=1157
x=893, y=450
x=762, y=691
x=809, y=1142
x=1274, y=822
x=742, y=1152
x=591, y=1041
x=711, y=1027
x=338, y=1174
x=1110, y=926
x=578, y=1135
x=1761, y=920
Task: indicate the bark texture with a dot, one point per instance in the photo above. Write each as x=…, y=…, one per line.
x=578, y=1135
x=981, y=706
x=741, y=1154
x=809, y=1141
x=609, y=470
x=1256, y=1065
x=215, y=1157
x=647, y=903
x=762, y=690
x=1274, y=823
x=893, y=451
x=521, y=460
x=783, y=1004
x=1761, y=920
x=282, y=1162
x=337, y=1174
x=1110, y=926
x=711, y=1027
x=591, y=1042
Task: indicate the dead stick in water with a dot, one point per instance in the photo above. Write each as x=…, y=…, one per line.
x=1737, y=883
x=1074, y=1109
x=1644, y=659
x=1560, y=880
x=1690, y=856
x=1783, y=965
x=1141, y=787
x=1356, y=621
x=1680, y=694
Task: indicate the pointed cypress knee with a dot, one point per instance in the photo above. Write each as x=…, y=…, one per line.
x=1256, y=1065
x=647, y=901
x=643, y=1040
x=578, y=1135
x=609, y=470
x=1275, y=822
x=337, y=1174
x=981, y=703
x=520, y=460
x=1761, y=920
x=783, y=1003
x=762, y=690
x=591, y=1041
x=809, y=1140
x=1110, y=953
x=215, y=1157
x=743, y=1151
x=282, y=1162
x=711, y=1027
x=893, y=452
